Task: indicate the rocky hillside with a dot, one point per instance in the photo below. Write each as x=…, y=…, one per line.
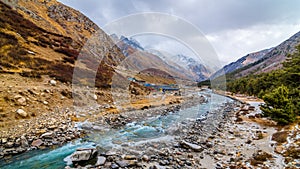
x=40, y=42
x=242, y=62
x=271, y=60
x=45, y=38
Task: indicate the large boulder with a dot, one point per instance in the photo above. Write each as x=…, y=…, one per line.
x=83, y=154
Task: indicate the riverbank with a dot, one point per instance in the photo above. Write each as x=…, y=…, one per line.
x=43, y=132
x=275, y=147
x=230, y=135
x=54, y=129
x=184, y=145
x=234, y=136
x=239, y=97
x=114, y=125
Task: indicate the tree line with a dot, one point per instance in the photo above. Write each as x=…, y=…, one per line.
x=280, y=89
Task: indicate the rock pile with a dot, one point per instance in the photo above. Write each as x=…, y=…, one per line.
x=51, y=133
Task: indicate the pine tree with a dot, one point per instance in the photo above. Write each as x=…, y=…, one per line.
x=279, y=106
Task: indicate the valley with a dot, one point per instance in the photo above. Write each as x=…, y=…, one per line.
x=73, y=96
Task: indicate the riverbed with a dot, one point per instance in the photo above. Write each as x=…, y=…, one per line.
x=150, y=129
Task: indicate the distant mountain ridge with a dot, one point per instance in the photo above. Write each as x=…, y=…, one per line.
x=273, y=59
x=139, y=60
x=243, y=61
x=181, y=66
x=125, y=43
x=262, y=61
x=198, y=70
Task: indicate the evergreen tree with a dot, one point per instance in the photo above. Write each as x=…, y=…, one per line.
x=279, y=106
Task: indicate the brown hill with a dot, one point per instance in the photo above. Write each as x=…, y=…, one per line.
x=45, y=38
x=41, y=41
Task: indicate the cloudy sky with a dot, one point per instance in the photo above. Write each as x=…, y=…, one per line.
x=233, y=27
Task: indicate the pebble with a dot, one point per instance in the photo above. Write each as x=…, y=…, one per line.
x=145, y=158
x=114, y=166
x=20, y=100
x=37, y=143
x=22, y=113
x=129, y=157
x=191, y=146
x=100, y=160
x=24, y=142
x=122, y=163
x=48, y=135
x=53, y=82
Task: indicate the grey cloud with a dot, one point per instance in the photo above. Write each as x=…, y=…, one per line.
x=215, y=18
x=208, y=15
x=166, y=25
